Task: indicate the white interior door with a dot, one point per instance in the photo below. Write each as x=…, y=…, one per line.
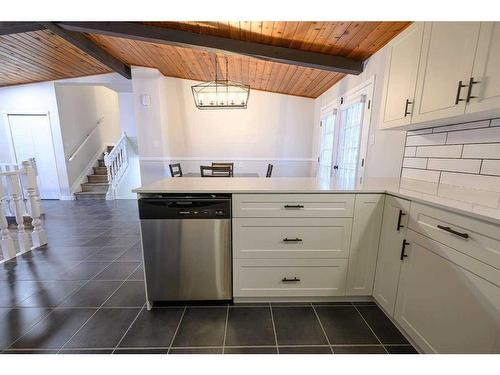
x=326, y=145
x=32, y=138
x=349, y=140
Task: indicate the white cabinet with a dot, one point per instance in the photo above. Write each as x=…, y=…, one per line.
x=485, y=81
x=291, y=237
x=289, y=277
x=293, y=205
x=401, y=77
x=445, y=69
x=393, y=233
x=368, y=210
x=447, y=301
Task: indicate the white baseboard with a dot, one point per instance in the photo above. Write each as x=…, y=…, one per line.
x=86, y=171
x=67, y=198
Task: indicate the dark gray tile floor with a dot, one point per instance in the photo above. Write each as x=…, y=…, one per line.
x=84, y=293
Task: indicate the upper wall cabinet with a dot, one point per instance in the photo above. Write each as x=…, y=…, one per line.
x=444, y=70
x=401, y=77
x=483, y=92
x=457, y=76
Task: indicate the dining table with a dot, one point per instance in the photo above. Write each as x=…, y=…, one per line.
x=197, y=174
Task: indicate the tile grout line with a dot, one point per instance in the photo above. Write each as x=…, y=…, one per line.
x=274, y=329
x=95, y=312
x=176, y=330
x=322, y=328
x=362, y=317
x=225, y=329
x=129, y=327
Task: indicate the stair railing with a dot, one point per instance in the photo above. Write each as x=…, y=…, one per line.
x=116, y=162
x=13, y=183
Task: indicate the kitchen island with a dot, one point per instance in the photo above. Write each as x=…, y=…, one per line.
x=431, y=263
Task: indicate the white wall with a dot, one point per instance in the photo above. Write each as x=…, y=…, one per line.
x=81, y=108
x=385, y=148
x=274, y=128
x=34, y=98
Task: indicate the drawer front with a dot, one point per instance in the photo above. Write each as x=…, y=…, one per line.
x=483, y=242
x=291, y=237
x=275, y=278
x=293, y=205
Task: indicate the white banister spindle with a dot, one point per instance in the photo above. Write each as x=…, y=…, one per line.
x=38, y=236
x=38, y=199
x=23, y=236
x=116, y=162
x=6, y=241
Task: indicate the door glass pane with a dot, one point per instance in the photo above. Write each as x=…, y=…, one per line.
x=326, y=147
x=351, y=120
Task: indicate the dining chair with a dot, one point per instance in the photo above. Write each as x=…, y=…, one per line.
x=269, y=170
x=230, y=165
x=175, y=169
x=211, y=171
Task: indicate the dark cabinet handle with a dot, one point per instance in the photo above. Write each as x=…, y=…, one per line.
x=401, y=214
x=408, y=102
x=469, y=91
x=460, y=86
x=448, y=229
x=293, y=206
x=403, y=255
x=292, y=239
x=286, y=280
x=335, y=167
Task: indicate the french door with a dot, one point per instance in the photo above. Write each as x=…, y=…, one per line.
x=349, y=140
x=328, y=120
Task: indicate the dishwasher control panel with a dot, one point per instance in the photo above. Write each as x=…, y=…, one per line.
x=185, y=207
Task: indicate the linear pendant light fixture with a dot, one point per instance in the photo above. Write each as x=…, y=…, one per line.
x=221, y=93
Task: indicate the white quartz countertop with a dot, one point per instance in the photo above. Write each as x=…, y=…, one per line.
x=308, y=185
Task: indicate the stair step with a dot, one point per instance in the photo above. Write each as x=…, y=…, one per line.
x=100, y=170
x=109, y=148
x=81, y=195
x=95, y=186
x=101, y=162
x=97, y=178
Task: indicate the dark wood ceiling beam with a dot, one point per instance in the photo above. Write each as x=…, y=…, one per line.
x=7, y=28
x=160, y=35
x=83, y=43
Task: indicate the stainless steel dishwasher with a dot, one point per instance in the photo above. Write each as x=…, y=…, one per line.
x=186, y=241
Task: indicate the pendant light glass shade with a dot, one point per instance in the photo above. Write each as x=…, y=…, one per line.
x=220, y=94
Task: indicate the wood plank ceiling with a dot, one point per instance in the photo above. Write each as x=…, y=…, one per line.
x=42, y=56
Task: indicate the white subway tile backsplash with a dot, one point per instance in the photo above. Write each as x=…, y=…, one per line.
x=420, y=174
x=415, y=163
x=491, y=167
x=467, y=125
x=473, y=181
x=426, y=139
x=455, y=165
x=439, y=151
x=486, y=135
x=466, y=194
x=482, y=151
x=410, y=151
x=419, y=186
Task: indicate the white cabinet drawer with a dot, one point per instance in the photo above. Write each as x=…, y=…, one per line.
x=483, y=242
x=291, y=237
x=273, y=277
x=293, y=205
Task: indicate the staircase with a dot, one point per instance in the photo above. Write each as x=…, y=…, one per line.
x=97, y=183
